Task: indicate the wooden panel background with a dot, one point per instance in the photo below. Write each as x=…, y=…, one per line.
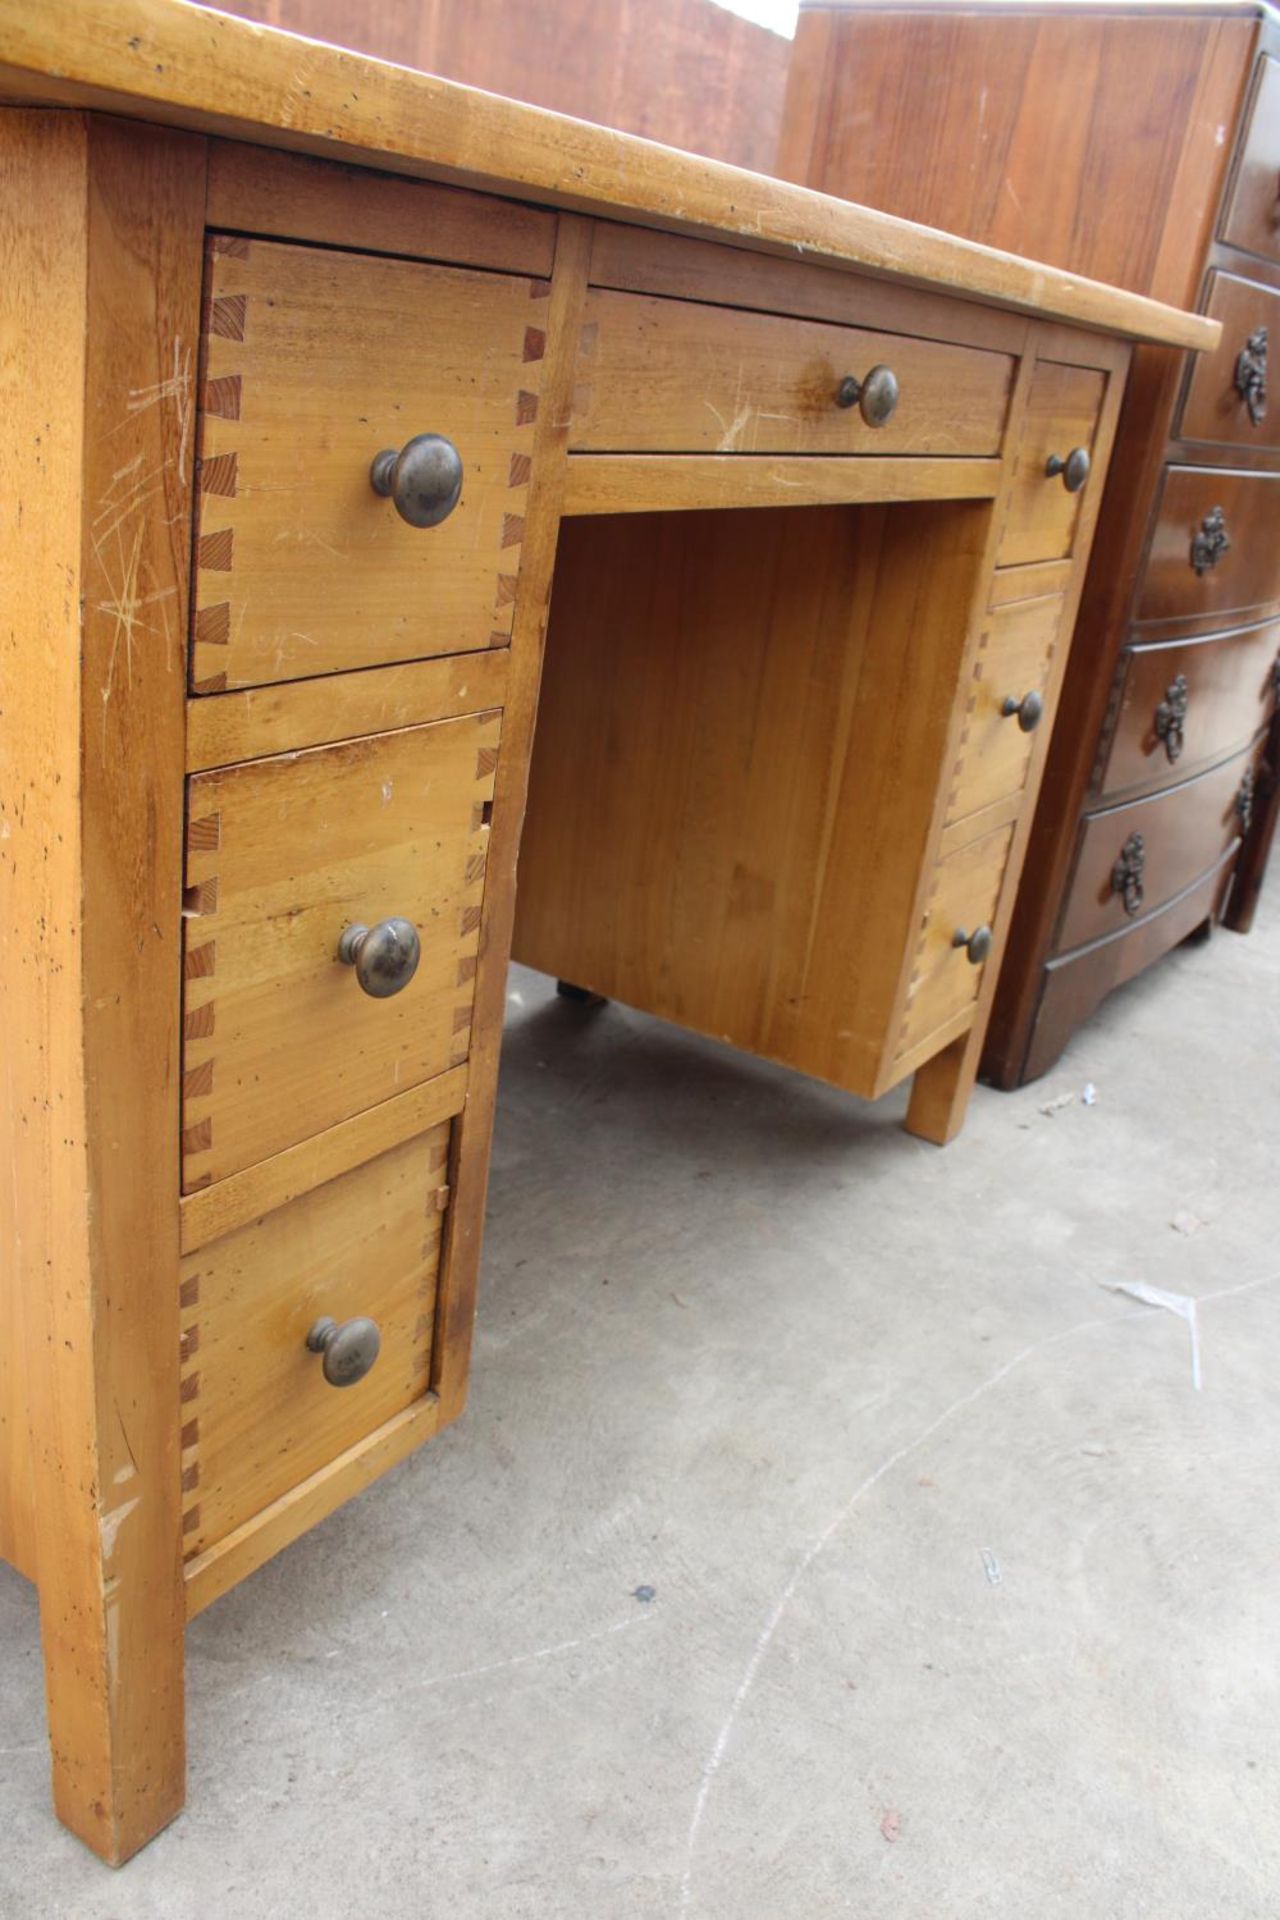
x=680, y=71
x=734, y=771
x=976, y=134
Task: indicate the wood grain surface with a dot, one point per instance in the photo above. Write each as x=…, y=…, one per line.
x=313, y=361
x=163, y=59
x=1185, y=832
x=1249, y=218
x=282, y=855
x=1062, y=412
x=101, y=241
x=1230, y=683
x=686, y=72
x=1071, y=135
x=731, y=799
x=1214, y=409
x=258, y=1414
x=675, y=376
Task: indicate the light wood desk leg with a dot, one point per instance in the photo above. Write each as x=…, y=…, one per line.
x=940, y=1092
x=102, y=229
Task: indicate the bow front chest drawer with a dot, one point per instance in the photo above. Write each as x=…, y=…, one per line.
x=327, y=469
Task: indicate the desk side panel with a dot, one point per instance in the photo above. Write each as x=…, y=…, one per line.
x=101, y=310
x=42, y=183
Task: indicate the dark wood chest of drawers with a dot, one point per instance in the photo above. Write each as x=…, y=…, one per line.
x=1145, y=148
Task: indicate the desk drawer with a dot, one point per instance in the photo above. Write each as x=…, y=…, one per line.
x=1061, y=419
x=1134, y=858
x=944, y=979
x=1217, y=407
x=1013, y=662
x=1251, y=219
x=258, y=1415
x=1184, y=704
x=673, y=376
x=314, y=362
x=284, y=855
x=1223, y=524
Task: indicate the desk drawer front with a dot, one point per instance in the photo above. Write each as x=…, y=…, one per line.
x=944, y=978
x=1252, y=216
x=258, y=1414
x=1226, y=401
x=673, y=376
x=314, y=362
x=1183, y=705
x=285, y=854
x=1061, y=419
x=1012, y=666
x=1215, y=549
x=1132, y=859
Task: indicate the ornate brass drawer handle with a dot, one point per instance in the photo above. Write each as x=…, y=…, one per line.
x=385, y=957
x=1170, y=716
x=1251, y=375
x=1211, y=542
x=1243, y=802
x=423, y=479
x=1074, y=469
x=349, y=1350
x=1030, y=710
x=876, y=397
x=977, y=945
x=1126, y=875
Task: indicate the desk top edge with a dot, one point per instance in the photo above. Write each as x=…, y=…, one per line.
x=182, y=65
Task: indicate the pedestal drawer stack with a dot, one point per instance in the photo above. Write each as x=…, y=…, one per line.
x=348, y=676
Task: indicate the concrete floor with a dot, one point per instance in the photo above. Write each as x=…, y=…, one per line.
x=964, y=1602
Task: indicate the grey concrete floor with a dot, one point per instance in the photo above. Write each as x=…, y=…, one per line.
x=965, y=1602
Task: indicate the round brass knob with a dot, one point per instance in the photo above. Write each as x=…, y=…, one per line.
x=1074, y=469
x=1030, y=710
x=385, y=957
x=424, y=479
x=349, y=1350
x=876, y=397
x=977, y=945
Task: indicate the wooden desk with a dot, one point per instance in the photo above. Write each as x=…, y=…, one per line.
x=249, y=710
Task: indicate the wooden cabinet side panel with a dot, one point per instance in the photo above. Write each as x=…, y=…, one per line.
x=735, y=776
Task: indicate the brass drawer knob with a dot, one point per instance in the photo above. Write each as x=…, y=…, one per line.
x=1251, y=375
x=349, y=1350
x=423, y=479
x=1030, y=710
x=977, y=945
x=385, y=957
x=876, y=397
x=1074, y=469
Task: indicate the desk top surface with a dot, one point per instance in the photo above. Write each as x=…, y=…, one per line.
x=167, y=61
